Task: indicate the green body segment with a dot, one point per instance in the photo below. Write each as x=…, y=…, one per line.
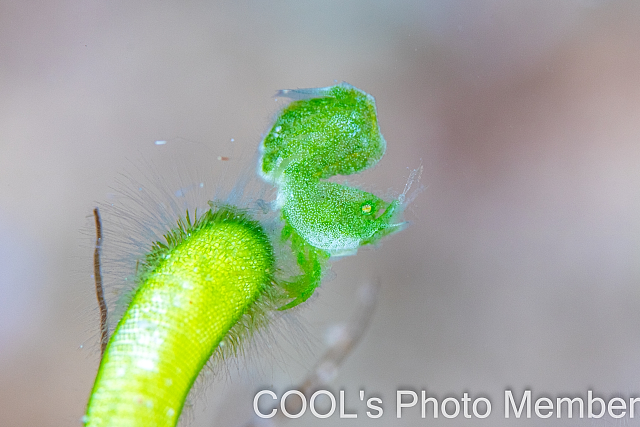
x=334, y=131
x=336, y=218
x=186, y=305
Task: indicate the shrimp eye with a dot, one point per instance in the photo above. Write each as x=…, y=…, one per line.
x=366, y=209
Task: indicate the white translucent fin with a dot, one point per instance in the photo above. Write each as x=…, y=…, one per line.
x=414, y=177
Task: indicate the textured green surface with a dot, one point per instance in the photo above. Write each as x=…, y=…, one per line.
x=194, y=291
x=334, y=131
x=325, y=132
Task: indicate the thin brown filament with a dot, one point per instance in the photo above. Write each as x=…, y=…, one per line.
x=104, y=328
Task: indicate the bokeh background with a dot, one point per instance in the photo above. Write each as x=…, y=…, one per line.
x=521, y=267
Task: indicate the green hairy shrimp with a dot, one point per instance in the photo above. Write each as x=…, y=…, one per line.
x=195, y=288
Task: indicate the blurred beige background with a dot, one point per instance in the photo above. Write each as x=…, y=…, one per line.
x=521, y=268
